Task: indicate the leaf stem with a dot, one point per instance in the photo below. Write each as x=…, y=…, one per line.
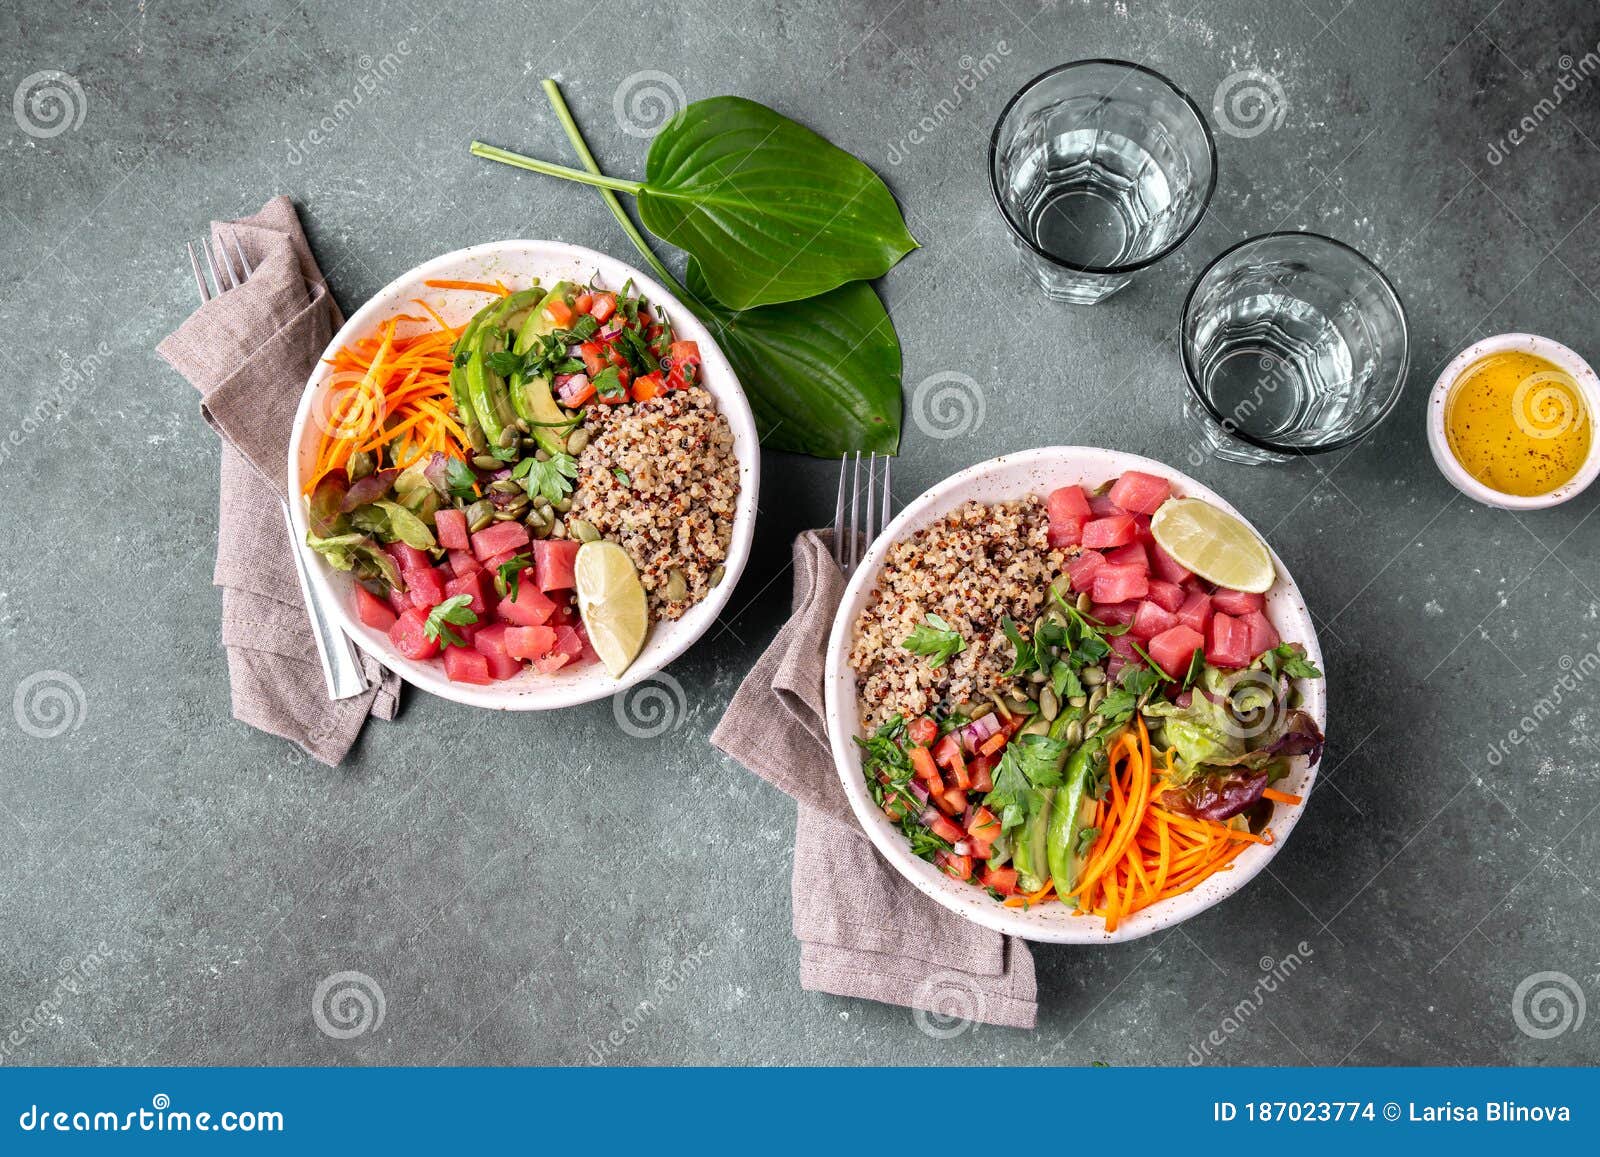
x=564, y=114
x=594, y=177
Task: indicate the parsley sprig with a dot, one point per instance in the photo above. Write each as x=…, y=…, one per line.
x=936, y=640
x=455, y=611
x=550, y=480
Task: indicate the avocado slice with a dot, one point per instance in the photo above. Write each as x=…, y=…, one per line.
x=1071, y=817
x=486, y=390
x=531, y=397
x=1031, y=856
x=458, y=381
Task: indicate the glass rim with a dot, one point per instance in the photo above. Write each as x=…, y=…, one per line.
x=1128, y=266
x=1301, y=451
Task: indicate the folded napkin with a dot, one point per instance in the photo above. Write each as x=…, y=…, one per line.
x=249, y=351
x=864, y=930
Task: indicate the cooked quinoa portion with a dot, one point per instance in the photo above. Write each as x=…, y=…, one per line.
x=972, y=569
x=660, y=479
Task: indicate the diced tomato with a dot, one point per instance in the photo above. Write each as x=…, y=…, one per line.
x=1228, y=643
x=603, y=306
x=551, y=663
x=583, y=303
x=451, y=525
x=948, y=755
x=1117, y=584
x=1237, y=603
x=529, y=642
x=1101, y=506
x=923, y=767
x=408, y=636
x=490, y=642
x=1174, y=649
x=1131, y=555
x=952, y=801
x=946, y=830
x=1002, y=880
x=980, y=770
x=472, y=587
x=1167, y=596
x=952, y=865
x=464, y=665
x=426, y=588
x=1140, y=493
x=558, y=313
x=1263, y=635
x=462, y=563
x=373, y=611
x=408, y=558
x=1082, y=568
x=1115, y=612
x=984, y=826
x=922, y=730
x=498, y=538
x=1117, y=530
x=1069, y=510
x=683, y=353
x=614, y=357
x=647, y=386
x=1164, y=567
x=555, y=561
x=531, y=607
x=1195, y=613
x=1151, y=621
x=594, y=359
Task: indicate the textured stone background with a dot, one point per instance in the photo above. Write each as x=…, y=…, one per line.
x=516, y=886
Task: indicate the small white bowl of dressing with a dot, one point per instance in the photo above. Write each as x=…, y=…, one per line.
x=1511, y=422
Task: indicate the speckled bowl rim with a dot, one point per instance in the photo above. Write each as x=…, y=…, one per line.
x=549, y=260
x=1013, y=476
x=1439, y=442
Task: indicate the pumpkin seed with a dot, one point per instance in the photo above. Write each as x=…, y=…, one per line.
x=1092, y=676
x=1049, y=704
x=508, y=437
x=1078, y=701
x=1084, y=603
x=721, y=572
x=565, y=504
x=1074, y=733
x=506, y=516
x=976, y=710
x=479, y=515
x=1061, y=587
x=522, y=425
x=536, y=517
x=360, y=465
x=677, y=588
x=1097, y=697
x=487, y=462
x=542, y=455
x=576, y=441
x=558, y=529
x=505, y=486
x=583, y=531
x=1000, y=706
x=1036, y=726
x=540, y=529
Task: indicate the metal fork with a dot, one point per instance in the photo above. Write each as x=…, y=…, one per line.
x=867, y=516
x=341, y=666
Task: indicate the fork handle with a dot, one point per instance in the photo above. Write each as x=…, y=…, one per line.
x=341, y=666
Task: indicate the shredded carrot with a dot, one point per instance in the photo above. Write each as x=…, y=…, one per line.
x=1281, y=796
x=1029, y=900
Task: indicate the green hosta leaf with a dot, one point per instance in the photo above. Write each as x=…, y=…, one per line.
x=772, y=212
x=822, y=376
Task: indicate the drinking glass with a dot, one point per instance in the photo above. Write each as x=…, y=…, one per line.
x=1100, y=168
x=1293, y=344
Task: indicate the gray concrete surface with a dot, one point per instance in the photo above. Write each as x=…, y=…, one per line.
x=173, y=886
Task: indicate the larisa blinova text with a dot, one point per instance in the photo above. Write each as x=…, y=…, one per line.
x=1492, y=1111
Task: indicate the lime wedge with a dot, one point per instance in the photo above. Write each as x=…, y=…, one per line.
x=1214, y=544
x=611, y=601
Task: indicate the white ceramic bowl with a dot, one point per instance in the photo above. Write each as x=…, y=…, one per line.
x=1008, y=477
x=1439, y=442
x=515, y=262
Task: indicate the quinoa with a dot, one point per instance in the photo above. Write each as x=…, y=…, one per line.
x=973, y=568
x=659, y=478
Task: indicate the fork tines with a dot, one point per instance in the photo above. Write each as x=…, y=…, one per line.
x=857, y=524
x=223, y=275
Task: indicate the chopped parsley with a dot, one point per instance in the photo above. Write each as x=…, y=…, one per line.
x=936, y=640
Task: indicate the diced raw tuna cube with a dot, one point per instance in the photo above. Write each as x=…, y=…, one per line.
x=1118, y=530
x=569, y=642
x=1069, y=510
x=408, y=558
x=531, y=608
x=472, y=587
x=1164, y=567
x=1228, y=643
x=425, y=587
x=1122, y=645
x=1151, y=621
x=1237, y=603
x=1140, y=493
x=566, y=615
x=463, y=563
x=550, y=663
x=1118, y=584
x=465, y=665
x=1114, y=666
x=1101, y=506
x=1064, y=532
x=554, y=560
x=1131, y=555
x=1167, y=596
x=1082, y=568
x=491, y=644
x=399, y=601
x=373, y=611
x=499, y=537
x=529, y=642
x=590, y=655
x=408, y=636
x=1174, y=648
x=451, y=526
x=493, y=564
x=1115, y=612
x=1263, y=635
x=1195, y=613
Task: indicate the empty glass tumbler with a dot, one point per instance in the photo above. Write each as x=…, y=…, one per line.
x=1293, y=344
x=1101, y=168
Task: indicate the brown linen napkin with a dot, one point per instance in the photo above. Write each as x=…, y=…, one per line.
x=249, y=352
x=863, y=929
